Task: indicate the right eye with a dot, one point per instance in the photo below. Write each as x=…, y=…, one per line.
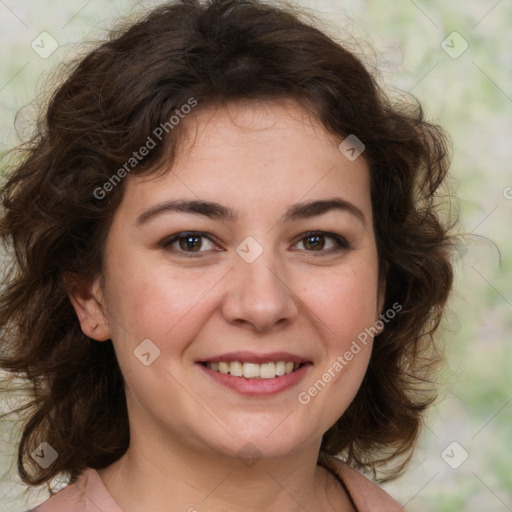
x=188, y=243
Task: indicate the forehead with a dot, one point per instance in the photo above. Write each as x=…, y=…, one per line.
x=273, y=130
x=254, y=154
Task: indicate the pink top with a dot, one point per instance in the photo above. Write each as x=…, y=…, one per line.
x=88, y=494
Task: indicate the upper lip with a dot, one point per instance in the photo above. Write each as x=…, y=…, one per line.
x=252, y=357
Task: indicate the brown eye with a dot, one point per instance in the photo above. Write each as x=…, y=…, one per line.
x=316, y=242
x=188, y=243
x=193, y=243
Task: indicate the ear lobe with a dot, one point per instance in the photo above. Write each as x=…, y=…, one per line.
x=381, y=300
x=87, y=300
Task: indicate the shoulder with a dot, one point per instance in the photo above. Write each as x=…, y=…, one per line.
x=366, y=495
x=87, y=494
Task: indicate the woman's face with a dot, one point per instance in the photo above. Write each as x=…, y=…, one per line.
x=246, y=283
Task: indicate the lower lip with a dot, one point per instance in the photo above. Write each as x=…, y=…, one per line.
x=258, y=387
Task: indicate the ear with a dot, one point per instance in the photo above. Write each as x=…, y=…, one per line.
x=381, y=299
x=86, y=296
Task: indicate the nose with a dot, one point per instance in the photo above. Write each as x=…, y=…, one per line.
x=259, y=297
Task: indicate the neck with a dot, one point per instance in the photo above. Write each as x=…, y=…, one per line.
x=160, y=477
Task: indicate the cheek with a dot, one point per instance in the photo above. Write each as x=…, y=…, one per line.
x=344, y=301
x=155, y=301
x=344, y=307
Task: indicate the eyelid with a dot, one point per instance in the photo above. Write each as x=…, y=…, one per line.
x=199, y=234
x=342, y=243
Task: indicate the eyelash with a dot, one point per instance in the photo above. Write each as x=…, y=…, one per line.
x=342, y=243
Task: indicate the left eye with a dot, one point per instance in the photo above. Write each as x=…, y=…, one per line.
x=189, y=244
x=316, y=242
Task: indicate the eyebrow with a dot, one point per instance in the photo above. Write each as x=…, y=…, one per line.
x=218, y=211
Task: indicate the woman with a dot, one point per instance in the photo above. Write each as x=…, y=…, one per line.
x=229, y=265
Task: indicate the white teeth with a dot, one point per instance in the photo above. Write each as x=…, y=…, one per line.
x=251, y=370
x=280, y=368
x=268, y=370
x=236, y=368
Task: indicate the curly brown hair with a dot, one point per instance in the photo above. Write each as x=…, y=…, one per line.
x=54, y=224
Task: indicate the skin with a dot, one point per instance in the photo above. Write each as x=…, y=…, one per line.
x=187, y=430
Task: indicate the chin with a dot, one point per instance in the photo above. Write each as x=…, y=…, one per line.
x=264, y=442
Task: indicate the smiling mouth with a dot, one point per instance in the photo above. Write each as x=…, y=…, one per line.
x=269, y=370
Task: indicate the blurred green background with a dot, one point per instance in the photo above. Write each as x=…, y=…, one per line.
x=456, y=58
